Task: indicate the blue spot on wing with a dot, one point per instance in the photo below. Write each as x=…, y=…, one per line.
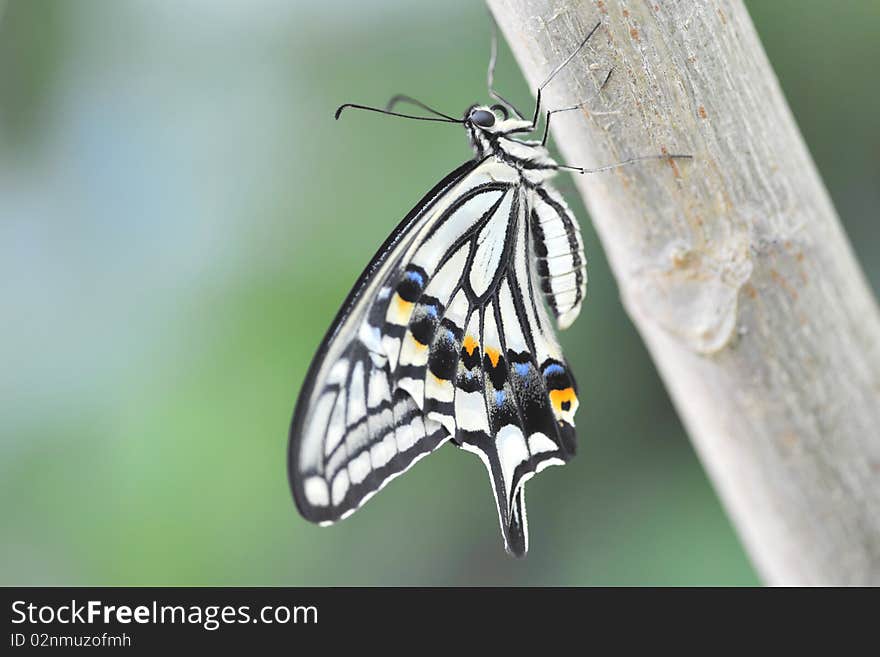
x=499, y=397
x=553, y=368
x=522, y=369
x=416, y=278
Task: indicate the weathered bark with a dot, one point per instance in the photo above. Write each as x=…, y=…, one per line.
x=733, y=266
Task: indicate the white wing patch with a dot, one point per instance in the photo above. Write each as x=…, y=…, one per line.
x=490, y=247
x=463, y=218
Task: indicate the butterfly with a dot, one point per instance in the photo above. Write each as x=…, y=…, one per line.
x=446, y=336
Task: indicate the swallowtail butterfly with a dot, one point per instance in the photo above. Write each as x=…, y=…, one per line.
x=445, y=336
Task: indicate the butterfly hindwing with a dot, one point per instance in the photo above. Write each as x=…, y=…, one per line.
x=559, y=254
x=506, y=349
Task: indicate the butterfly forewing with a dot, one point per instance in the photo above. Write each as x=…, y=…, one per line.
x=340, y=417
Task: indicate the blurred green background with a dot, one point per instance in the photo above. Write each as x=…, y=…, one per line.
x=180, y=218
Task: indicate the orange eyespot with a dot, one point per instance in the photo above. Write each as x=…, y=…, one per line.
x=563, y=401
x=470, y=344
x=493, y=355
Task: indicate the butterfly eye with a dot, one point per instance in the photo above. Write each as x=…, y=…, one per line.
x=483, y=118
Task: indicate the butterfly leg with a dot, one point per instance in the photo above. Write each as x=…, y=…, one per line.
x=608, y=167
x=537, y=113
x=568, y=109
x=490, y=76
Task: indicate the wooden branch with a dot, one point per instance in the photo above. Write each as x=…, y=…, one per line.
x=733, y=266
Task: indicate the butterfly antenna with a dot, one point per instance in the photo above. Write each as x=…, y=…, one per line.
x=403, y=98
x=379, y=110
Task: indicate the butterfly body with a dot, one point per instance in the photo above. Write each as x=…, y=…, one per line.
x=446, y=337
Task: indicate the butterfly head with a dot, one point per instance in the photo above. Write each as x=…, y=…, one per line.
x=485, y=118
x=481, y=117
x=483, y=122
